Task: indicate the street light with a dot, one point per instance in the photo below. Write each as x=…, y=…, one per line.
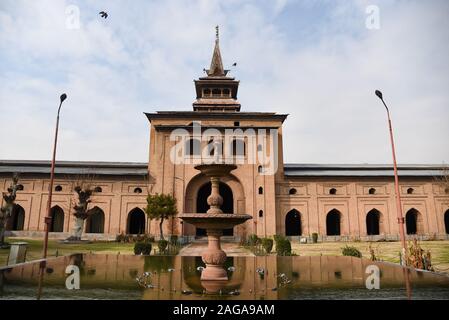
x=48, y=218
x=396, y=183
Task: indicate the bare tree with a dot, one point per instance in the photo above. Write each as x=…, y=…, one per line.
x=7, y=209
x=84, y=189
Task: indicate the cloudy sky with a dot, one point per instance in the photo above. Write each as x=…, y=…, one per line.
x=319, y=61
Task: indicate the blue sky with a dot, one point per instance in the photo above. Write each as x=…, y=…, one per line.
x=314, y=60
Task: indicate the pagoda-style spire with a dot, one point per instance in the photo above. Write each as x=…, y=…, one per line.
x=216, y=92
x=216, y=66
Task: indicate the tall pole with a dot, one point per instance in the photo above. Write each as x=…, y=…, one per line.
x=48, y=218
x=396, y=184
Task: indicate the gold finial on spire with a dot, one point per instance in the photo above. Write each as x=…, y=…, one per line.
x=216, y=33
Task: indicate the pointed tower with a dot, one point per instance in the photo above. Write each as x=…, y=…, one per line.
x=216, y=92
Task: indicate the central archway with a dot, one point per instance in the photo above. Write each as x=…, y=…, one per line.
x=227, y=206
x=136, y=222
x=333, y=220
x=293, y=223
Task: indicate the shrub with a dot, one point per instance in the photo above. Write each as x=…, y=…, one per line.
x=283, y=247
x=267, y=244
x=253, y=240
x=120, y=237
x=149, y=238
x=173, y=240
x=142, y=248
x=351, y=251
x=162, y=245
x=314, y=237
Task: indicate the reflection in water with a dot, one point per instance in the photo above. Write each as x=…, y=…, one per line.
x=114, y=277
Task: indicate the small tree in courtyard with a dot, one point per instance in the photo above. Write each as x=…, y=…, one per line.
x=161, y=207
x=7, y=209
x=84, y=190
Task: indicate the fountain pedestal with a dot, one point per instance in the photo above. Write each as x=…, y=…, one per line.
x=214, y=257
x=214, y=221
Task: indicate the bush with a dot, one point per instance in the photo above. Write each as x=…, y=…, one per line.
x=142, y=248
x=120, y=237
x=314, y=237
x=253, y=240
x=149, y=238
x=351, y=251
x=283, y=247
x=162, y=245
x=173, y=240
x=267, y=244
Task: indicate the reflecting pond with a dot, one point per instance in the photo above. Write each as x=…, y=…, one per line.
x=250, y=278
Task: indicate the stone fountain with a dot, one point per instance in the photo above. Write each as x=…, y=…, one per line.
x=214, y=221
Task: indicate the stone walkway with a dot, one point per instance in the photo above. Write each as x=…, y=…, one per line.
x=232, y=249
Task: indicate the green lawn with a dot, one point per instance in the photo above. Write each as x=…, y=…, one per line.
x=386, y=251
x=35, y=246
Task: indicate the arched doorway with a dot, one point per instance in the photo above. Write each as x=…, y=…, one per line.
x=136, y=222
x=17, y=220
x=446, y=221
x=227, y=206
x=293, y=223
x=373, y=222
x=412, y=221
x=333, y=220
x=95, y=221
x=57, y=219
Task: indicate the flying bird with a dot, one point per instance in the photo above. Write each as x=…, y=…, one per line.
x=234, y=64
x=103, y=14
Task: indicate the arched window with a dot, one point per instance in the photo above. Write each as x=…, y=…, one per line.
x=332, y=191
x=372, y=191
x=95, y=221
x=216, y=93
x=20, y=187
x=292, y=191
x=260, y=213
x=57, y=219
x=238, y=147
x=413, y=221
x=333, y=220
x=373, y=222
x=213, y=146
x=446, y=221
x=16, y=221
x=137, y=190
x=98, y=189
x=410, y=190
x=193, y=147
x=58, y=188
x=293, y=223
x=136, y=222
x=259, y=169
x=260, y=190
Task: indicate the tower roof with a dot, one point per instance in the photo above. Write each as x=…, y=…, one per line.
x=216, y=65
x=216, y=91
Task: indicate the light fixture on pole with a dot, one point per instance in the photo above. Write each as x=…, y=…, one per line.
x=396, y=184
x=48, y=218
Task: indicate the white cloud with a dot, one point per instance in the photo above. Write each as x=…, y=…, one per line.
x=145, y=56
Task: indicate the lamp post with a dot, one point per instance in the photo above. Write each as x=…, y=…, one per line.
x=396, y=183
x=48, y=218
